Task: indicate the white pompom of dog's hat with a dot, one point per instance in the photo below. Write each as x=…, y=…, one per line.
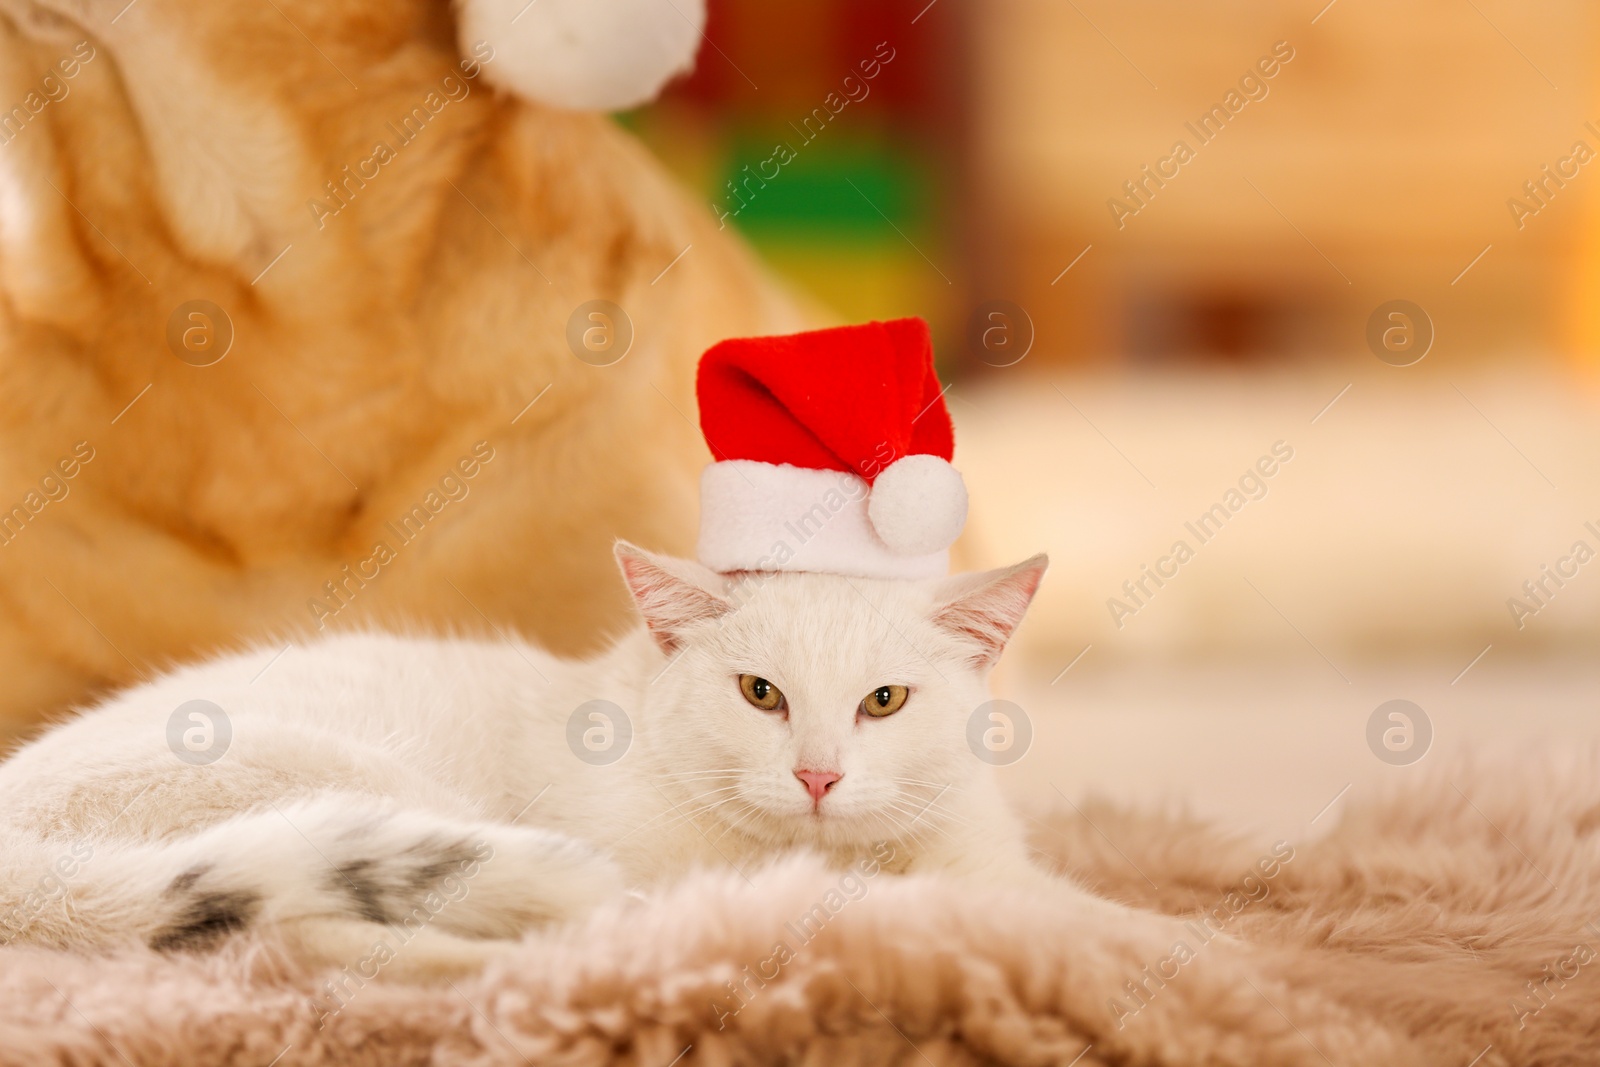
x=584, y=55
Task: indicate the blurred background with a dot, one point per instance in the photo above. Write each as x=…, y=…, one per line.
x=1167, y=245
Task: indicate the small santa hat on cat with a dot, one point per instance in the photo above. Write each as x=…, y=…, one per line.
x=585, y=55
x=832, y=454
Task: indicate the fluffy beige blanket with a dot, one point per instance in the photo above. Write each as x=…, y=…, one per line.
x=1451, y=922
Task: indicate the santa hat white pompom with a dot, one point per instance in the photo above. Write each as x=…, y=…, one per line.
x=833, y=454
x=586, y=55
x=918, y=505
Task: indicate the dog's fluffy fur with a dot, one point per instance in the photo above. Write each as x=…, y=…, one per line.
x=1409, y=935
x=368, y=360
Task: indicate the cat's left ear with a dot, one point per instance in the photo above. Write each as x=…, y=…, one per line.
x=670, y=593
x=985, y=609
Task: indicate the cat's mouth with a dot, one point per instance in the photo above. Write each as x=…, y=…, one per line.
x=769, y=822
x=829, y=824
x=765, y=814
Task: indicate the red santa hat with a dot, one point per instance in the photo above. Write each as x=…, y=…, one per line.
x=832, y=454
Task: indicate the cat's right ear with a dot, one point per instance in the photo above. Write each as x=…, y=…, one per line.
x=984, y=609
x=668, y=594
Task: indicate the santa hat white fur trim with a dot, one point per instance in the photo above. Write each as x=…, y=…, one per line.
x=586, y=55
x=775, y=517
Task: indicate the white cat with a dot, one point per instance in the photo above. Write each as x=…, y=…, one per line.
x=470, y=789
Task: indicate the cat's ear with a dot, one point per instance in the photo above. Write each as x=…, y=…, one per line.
x=670, y=593
x=984, y=609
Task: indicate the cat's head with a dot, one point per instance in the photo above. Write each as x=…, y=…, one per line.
x=818, y=709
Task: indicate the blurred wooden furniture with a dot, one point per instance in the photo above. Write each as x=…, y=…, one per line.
x=1378, y=166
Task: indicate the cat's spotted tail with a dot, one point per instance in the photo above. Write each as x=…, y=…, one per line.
x=336, y=864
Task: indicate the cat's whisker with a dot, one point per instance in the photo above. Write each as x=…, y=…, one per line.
x=695, y=783
x=689, y=815
x=928, y=812
x=694, y=805
x=925, y=814
x=918, y=818
x=933, y=811
x=934, y=819
x=950, y=786
x=902, y=829
x=741, y=807
x=689, y=783
x=676, y=809
x=749, y=809
x=893, y=830
x=924, y=794
x=699, y=795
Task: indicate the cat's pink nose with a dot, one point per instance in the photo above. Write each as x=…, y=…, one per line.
x=818, y=782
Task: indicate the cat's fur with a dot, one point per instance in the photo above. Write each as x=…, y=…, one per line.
x=177, y=164
x=369, y=775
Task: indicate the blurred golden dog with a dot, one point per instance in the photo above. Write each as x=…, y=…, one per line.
x=296, y=331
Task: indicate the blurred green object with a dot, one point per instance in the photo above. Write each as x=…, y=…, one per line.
x=852, y=187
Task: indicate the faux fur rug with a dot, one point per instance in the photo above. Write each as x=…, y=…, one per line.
x=1456, y=922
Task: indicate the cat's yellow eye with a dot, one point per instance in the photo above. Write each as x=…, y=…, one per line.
x=760, y=692
x=885, y=700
